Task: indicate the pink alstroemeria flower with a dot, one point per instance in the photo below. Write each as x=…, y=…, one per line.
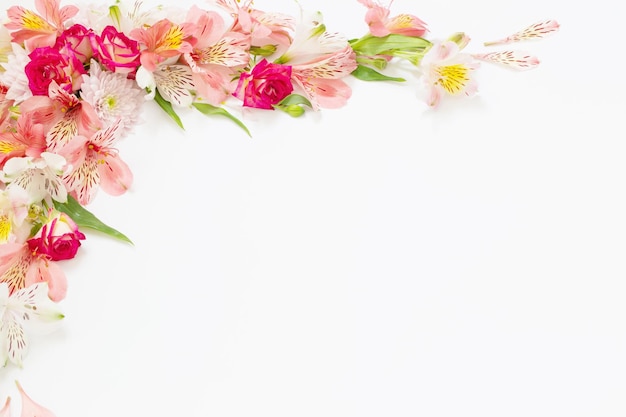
x=216, y=56
x=96, y=163
x=447, y=71
x=38, y=30
x=162, y=41
x=25, y=138
x=380, y=24
x=20, y=268
x=62, y=114
x=262, y=28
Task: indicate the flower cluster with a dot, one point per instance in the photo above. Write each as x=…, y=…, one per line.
x=73, y=82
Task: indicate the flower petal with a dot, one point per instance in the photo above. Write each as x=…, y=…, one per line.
x=535, y=31
x=513, y=59
x=31, y=408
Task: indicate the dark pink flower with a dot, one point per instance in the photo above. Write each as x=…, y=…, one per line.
x=48, y=64
x=116, y=51
x=267, y=84
x=76, y=40
x=59, y=239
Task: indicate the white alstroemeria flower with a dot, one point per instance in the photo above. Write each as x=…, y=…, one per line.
x=13, y=211
x=14, y=75
x=39, y=177
x=174, y=83
x=26, y=310
x=113, y=96
x=311, y=40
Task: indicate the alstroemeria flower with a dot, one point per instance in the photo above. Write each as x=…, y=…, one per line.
x=216, y=57
x=116, y=51
x=266, y=85
x=380, y=24
x=174, y=82
x=162, y=41
x=319, y=61
x=25, y=310
x=447, y=71
x=96, y=163
x=263, y=29
x=39, y=177
x=14, y=208
x=39, y=30
x=58, y=239
x=21, y=268
x=25, y=138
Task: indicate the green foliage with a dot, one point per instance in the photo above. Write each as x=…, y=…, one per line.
x=84, y=218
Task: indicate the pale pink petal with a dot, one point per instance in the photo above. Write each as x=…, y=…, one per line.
x=328, y=93
x=513, y=59
x=50, y=272
x=535, y=31
x=31, y=408
x=6, y=410
x=115, y=176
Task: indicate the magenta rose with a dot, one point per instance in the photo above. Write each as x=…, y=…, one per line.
x=46, y=65
x=116, y=51
x=59, y=239
x=76, y=40
x=267, y=84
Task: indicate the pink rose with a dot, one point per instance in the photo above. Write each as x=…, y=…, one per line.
x=58, y=239
x=116, y=51
x=48, y=64
x=267, y=84
x=76, y=40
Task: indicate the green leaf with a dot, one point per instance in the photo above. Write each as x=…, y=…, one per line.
x=369, y=74
x=294, y=99
x=292, y=105
x=84, y=218
x=211, y=110
x=167, y=106
x=393, y=45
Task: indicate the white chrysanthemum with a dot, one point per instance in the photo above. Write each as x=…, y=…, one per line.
x=113, y=96
x=14, y=75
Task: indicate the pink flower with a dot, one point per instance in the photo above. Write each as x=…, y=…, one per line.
x=20, y=268
x=267, y=84
x=59, y=239
x=31, y=408
x=116, y=51
x=76, y=41
x=380, y=24
x=47, y=65
x=161, y=41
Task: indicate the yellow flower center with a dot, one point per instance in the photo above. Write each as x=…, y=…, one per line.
x=172, y=40
x=34, y=22
x=453, y=78
x=5, y=228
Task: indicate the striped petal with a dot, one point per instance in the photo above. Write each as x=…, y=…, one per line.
x=513, y=59
x=174, y=83
x=12, y=334
x=535, y=31
x=83, y=181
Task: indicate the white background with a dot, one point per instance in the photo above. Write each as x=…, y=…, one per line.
x=378, y=260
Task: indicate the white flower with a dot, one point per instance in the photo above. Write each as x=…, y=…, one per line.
x=28, y=309
x=39, y=177
x=14, y=75
x=113, y=96
x=174, y=83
